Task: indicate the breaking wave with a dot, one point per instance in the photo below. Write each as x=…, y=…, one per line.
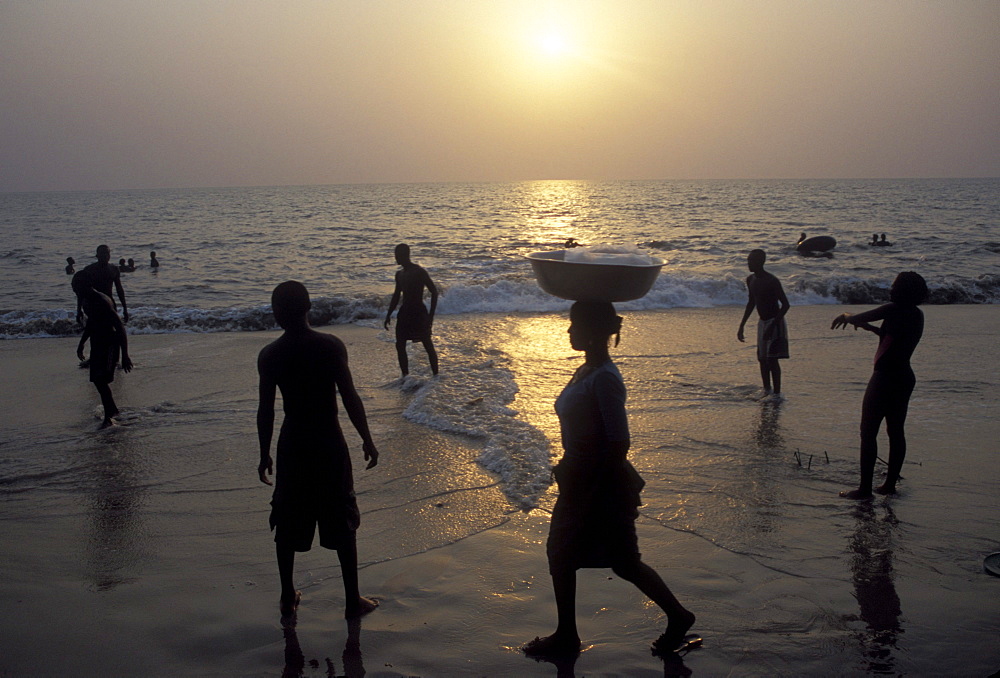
x=503, y=295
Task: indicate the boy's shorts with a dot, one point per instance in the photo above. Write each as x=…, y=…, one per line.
x=776, y=343
x=297, y=528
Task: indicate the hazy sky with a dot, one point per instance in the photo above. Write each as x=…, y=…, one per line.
x=104, y=94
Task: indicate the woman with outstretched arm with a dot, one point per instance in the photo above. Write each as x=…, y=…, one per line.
x=888, y=394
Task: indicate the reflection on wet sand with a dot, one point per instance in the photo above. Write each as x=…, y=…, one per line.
x=767, y=435
x=565, y=666
x=871, y=571
x=117, y=495
x=295, y=661
x=757, y=495
x=674, y=667
x=543, y=359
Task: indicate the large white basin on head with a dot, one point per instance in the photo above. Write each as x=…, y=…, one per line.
x=593, y=280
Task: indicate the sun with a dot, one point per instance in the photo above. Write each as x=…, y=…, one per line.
x=553, y=43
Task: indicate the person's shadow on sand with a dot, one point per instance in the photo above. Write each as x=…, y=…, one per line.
x=872, y=572
x=295, y=660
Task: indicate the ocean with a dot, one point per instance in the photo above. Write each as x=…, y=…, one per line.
x=223, y=250
x=157, y=529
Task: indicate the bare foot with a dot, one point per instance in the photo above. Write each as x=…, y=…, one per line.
x=886, y=488
x=108, y=423
x=677, y=628
x=288, y=606
x=857, y=495
x=361, y=608
x=552, y=646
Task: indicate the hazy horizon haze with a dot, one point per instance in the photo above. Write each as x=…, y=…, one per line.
x=113, y=94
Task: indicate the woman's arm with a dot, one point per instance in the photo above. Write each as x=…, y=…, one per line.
x=611, y=395
x=864, y=319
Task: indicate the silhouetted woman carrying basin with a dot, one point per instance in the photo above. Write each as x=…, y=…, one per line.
x=892, y=381
x=593, y=522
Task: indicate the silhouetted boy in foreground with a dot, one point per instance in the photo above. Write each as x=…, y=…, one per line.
x=314, y=483
x=769, y=298
x=413, y=323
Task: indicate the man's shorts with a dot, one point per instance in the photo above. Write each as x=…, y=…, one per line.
x=772, y=338
x=297, y=528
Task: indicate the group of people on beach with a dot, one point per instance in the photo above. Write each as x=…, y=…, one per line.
x=95, y=286
x=887, y=396
x=593, y=520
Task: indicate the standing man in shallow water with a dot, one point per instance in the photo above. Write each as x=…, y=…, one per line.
x=413, y=322
x=767, y=296
x=315, y=483
x=103, y=275
x=108, y=341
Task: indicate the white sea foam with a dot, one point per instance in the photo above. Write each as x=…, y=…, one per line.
x=472, y=399
x=673, y=289
x=503, y=296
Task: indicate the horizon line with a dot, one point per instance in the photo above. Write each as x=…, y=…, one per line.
x=504, y=181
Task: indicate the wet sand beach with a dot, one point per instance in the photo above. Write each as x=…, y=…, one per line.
x=144, y=550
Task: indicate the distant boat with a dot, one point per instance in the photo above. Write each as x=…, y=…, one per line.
x=817, y=243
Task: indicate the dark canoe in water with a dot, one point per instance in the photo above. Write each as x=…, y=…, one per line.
x=817, y=243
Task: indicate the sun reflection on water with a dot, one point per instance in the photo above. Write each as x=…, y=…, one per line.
x=543, y=362
x=559, y=210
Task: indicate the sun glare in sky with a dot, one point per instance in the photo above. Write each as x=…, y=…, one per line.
x=112, y=94
x=553, y=43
